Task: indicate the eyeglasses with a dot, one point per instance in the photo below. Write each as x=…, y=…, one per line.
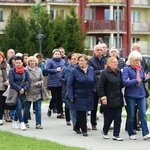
x=99, y=50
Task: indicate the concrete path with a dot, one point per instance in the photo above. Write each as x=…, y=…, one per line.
x=56, y=130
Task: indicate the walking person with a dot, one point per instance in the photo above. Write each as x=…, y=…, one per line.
x=34, y=93
x=109, y=90
x=53, y=68
x=133, y=78
x=81, y=87
x=97, y=61
x=4, y=69
x=20, y=81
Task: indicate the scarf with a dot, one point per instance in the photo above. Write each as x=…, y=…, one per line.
x=3, y=67
x=20, y=70
x=136, y=67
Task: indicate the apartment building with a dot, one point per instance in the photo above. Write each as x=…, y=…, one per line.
x=98, y=19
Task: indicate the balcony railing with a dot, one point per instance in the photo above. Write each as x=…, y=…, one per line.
x=140, y=27
x=106, y=1
x=17, y=1
x=140, y=2
x=105, y=25
x=63, y=1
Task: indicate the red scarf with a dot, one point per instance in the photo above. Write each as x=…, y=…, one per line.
x=20, y=70
x=136, y=67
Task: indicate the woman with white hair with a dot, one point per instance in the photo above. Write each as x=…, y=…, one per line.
x=34, y=92
x=133, y=78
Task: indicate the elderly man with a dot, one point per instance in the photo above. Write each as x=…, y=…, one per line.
x=97, y=62
x=10, y=53
x=104, y=46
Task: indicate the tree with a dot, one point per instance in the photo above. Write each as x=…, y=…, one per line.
x=73, y=33
x=39, y=20
x=16, y=34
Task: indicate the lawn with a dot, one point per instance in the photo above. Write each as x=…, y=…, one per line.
x=10, y=141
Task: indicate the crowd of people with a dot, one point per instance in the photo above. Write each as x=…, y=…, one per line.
x=81, y=82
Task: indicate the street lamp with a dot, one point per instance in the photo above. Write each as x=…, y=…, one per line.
x=118, y=24
x=40, y=37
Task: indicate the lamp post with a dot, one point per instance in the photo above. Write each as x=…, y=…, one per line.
x=118, y=24
x=40, y=37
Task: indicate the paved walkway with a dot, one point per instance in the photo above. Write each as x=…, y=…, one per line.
x=56, y=130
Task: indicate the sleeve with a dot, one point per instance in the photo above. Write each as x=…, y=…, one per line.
x=126, y=78
x=49, y=68
x=27, y=82
x=70, y=85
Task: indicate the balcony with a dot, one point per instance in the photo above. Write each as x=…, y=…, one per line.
x=107, y=1
x=140, y=3
x=105, y=26
x=62, y=1
x=141, y=27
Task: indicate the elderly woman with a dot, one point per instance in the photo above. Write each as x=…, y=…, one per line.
x=34, y=93
x=53, y=68
x=4, y=69
x=133, y=78
x=81, y=88
x=20, y=81
x=109, y=90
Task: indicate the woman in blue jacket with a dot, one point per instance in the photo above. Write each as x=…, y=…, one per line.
x=133, y=78
x=53, y=68
x=81, y=89
x=20, y=81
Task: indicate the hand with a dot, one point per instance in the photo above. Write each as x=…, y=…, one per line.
x=71, y=100
x=21, y=91
x=6, y=83
x=104, y=101
x=147, y=76
x=58, y=69
x=139, y=80
x=36, y=84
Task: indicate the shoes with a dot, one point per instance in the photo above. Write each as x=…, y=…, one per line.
x=105, y=135
x=39, y=127
x=27, y=125
x=1, y=122
x=94, y=127
x=132, y=137
x=117, y=138
x=8, y=120
x=68, y=123
x=146, y=137
x=138, y=129
x=33, y=111
x=49, y=113
x=22, y=126
x=84, y=134
x=77, y=131
x=60, y=116
x=15, y=125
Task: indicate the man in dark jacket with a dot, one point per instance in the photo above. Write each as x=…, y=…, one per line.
x=97, y=62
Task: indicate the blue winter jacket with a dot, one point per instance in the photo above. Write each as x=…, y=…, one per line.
x=53, y=74
x=15, y=80
x=130, y=82
x=81, y=88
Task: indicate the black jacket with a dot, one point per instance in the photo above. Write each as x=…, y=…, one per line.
x=110, y=85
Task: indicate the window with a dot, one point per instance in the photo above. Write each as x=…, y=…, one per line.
x=90, y=42
x=120, y=42
x=1, y=14
x=135, y=16
x=86, y=14
x=107, y=14
x=116, y=14
x=92, y=13
x=55, y=12
x=135, y=39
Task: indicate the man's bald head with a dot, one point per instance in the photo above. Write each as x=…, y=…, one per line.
x=136, y=47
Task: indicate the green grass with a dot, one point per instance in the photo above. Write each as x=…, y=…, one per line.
x=10, y=141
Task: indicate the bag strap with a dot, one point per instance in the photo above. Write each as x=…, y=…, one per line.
x=23, y=79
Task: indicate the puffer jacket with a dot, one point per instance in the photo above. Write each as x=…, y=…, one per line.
x=130, y=82
x=53, y=74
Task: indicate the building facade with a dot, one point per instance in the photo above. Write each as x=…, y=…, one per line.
x=99, y=19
